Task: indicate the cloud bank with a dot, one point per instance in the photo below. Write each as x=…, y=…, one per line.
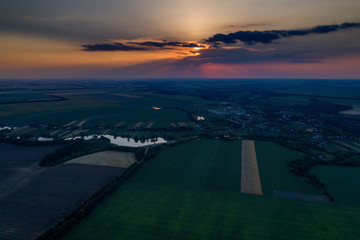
x=265, y=37
x=107, y=47
x=246, y=37
x=146, y=45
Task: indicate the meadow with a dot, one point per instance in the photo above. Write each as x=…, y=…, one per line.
x=8, y=97
x=341, y=182
x=97, y=110
x=192, y=191
x=273, y=161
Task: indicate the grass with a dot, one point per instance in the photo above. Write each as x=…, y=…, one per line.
x=201, y=164
x=273, y=161
x=341, y=182
x=192, y=191
x=95, y=110
x=13, y=97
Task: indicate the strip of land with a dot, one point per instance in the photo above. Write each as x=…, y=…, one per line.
x=120, y=124
x=137, y=124
x=68, y=124
x=250, y=178
x=357, y=149
x=107, y=158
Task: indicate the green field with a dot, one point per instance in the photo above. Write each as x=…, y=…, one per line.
x=23, y=96
x=341, y=182
x=192, y=191
x=273, y=161
x=95, y=110
x=211, y=165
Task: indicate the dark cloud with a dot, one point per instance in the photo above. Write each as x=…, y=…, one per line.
x=253, y=37
x=243, y=55
x=156, y=44
x=105, y=47
x=248, y=37
x=164, y=44
x=129, y=46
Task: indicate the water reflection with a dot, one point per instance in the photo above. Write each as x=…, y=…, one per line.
x=120, y=141
x=44, y=139
x=5, y=128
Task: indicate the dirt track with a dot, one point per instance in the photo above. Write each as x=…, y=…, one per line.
x=250, y=178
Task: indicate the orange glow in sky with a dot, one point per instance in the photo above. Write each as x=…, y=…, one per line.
x=203, y=38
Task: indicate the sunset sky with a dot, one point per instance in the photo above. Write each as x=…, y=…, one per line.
x=180, y=39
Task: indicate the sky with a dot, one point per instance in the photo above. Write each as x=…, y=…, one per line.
x=180, y=39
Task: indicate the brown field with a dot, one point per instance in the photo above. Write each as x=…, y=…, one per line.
x=138, y=124
x=106, y=131
x=233, y=121
x=77, y=93
x=20, y=129
x=354, y=111
x=120, y=124
x=107, y=158
x=81, y=123
x=64, y=133
x=126, y=95
x=250, y=178
x=357, y=149
x=74, y=133
x=182, y=124
x=28, y=130
x=23, y=130
x=54, y=132
x=68, y=124
x=149, y=125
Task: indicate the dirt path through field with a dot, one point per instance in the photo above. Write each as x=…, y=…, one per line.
x=250, y=178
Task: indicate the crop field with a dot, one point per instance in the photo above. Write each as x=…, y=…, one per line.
x=212, y=165
x=92, y=105
x=14, y=160
x=48, y=197
x=32, y=198
x=341, y=182
x=354, y=111
x=107, y=158
x=92, y=110
x=349, y=145
x=250, y=179
x=192, y=191
x=9, y=97
x=273, y=161
x=323, y=90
